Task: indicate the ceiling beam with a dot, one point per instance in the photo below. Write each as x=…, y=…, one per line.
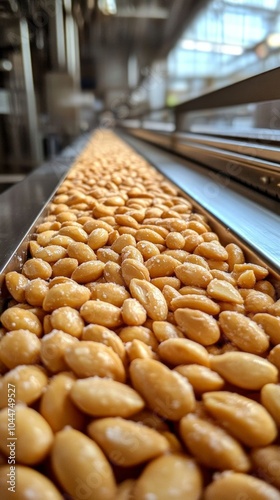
x=181, y=15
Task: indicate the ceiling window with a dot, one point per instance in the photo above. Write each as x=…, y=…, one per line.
x=228, y=41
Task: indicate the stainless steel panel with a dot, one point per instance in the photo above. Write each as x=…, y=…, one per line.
x=255, y=165
x=255, y=150
x=22, y=206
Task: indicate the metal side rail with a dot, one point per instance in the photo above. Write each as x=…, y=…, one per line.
x=235, y=212
x=254, y=164
x=25, y=204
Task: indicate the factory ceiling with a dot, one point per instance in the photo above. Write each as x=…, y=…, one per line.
x=148, y=28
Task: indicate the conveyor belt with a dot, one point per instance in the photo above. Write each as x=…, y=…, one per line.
x=254, y=222
x=131, y=313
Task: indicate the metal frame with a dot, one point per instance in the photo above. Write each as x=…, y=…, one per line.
x=263, y=87
x=253, y=164
x=259, y=88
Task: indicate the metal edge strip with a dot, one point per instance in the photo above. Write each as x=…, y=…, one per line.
x=263, y=152
x=24, y=205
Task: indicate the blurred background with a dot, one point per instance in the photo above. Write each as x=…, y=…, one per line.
x=69, y=65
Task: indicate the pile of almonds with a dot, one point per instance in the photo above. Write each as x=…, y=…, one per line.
x=143, y=355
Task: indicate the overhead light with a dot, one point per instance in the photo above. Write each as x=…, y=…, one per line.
x=5, y=65
x=232, y=50
x=220, y=48
x=107, y=7
x=197, y=45
x=273, y=40
x=143, y=12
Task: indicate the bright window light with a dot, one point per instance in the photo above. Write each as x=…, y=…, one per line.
x=220, y=48
x=107, y=7
x=273, y=40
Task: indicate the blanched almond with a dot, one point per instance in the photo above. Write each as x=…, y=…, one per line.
x=68, y=320
x=183, y=351
x=88, y=271
x=243, y=332
x=266, y=462
x=244, y=418
x=101, y=313
x=16, y=318
x=112, y=273
x=133, y=313
x=30, y=483
x=233, y=486
x=132, y=268
x=131, y=252
x=34, y=437
x=270, y=398
x=211, y=250
x=198, y=326
x=257, y=302
x=259, y=271
x=123, y=241
x=80, y=251
x=53, y=347
x=244, y=370
x=212, y=446
x=56, y=405
x=147, y=249
x=80, y=465
x=193, y=301
x=247, y=279
x=165, y=391
x=16, y=284
x=235, y=255
x=274, y=356
x=193, y=275
x=164, y=330
x=19, y=347
x=51, y=253
x=29, y=382
x=98, y=238
x=169, y=477
x=149, y=235
x=99, y=333
x=127, y=443
x=271, y=326
x=130, y=333
x=166, y=280
x=150, y=297
x=102, y=397
x=66, y=294
x=201, y=378
x=87, y=358
x=138, y=349
x=161, y=265
x=223, y=290
x=109, y=292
